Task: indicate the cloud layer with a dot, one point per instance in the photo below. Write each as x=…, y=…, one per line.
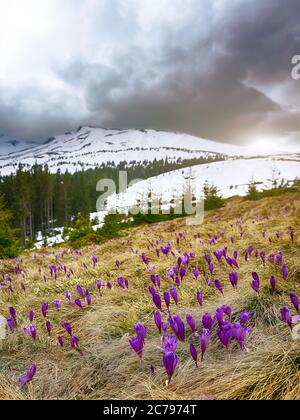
x=219, y=69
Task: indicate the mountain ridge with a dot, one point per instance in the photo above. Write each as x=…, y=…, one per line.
x=87, y=147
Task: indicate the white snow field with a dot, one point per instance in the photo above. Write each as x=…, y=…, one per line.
x=232, y=177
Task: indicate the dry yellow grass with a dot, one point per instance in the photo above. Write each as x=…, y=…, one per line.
x=108, y=369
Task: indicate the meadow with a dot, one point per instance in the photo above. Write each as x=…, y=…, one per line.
x=166, y=311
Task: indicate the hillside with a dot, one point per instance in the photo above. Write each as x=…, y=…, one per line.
x=89, y=147
x=104, y=366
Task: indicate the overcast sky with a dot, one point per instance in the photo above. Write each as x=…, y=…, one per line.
x=219, y=69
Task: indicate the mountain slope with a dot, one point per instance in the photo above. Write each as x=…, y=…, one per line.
x=89, y=147
x=11, y=145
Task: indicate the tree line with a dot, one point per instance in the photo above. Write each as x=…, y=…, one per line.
x=40, y=201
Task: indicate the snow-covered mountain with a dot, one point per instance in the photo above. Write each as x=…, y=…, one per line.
x=89, y=146
x=11, y=145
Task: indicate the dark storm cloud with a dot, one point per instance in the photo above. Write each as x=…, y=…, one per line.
x=216, y=69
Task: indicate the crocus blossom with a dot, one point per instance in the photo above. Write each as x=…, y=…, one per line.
x=140, y=330
x=194, y=354
x=286, y=316
x=225, y=334
x=191, y=322
x=45, y=307
x=207, y=321
x=137, y=345
x=295, y=301
x=170, y=362
x=233, y=277
x=158, y=320
x=174, y=294
x=28, y=376
x=31, y=331
x=218, y=286
x=273, y=284
x=284, y=272
x=157, y=300
x=200, y=297
x=204, y=340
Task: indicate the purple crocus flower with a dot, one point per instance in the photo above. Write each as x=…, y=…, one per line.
x=170, y=362
x=219, y=316
x=174, y=294
x=225, y=334
x=99, y=285
x=68, y=296
x=279, y=258
x=31, y=316
x=195, y=273
x=286, y=316
x=94, y=260
x=211, y=268
x=140, y=330
x=29, y=375
x=137, y=345
x=157, y=300
x=74, y=342
x=194, y=354
x=169, y=343
x=45, y=307
x=31, y=332
x=88, y=297
x=167, y=299
x=240, y=334
x=152, y=290
x=233, y=277
x=244, y=317
x=263, y=256
x=182, y=273
x=78, y=303
x=67, y=326
x=284, y=272
x=158, y=320
x=227, y=310
x=255, y=282
x=273, y=283
x=204, y=340
x=57, y=304
x=207, y=258
x=11, y=324
x=80, y=290
x=207, y=321
x=191, y=322
x=48, y=327
x=218, y=286
x=60, y=341
x=200, y=297
x=177, y=326
x=295, y=301
x=12, y=312
x=121, y=282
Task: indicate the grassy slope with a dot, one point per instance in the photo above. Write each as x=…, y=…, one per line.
x=108, y=368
